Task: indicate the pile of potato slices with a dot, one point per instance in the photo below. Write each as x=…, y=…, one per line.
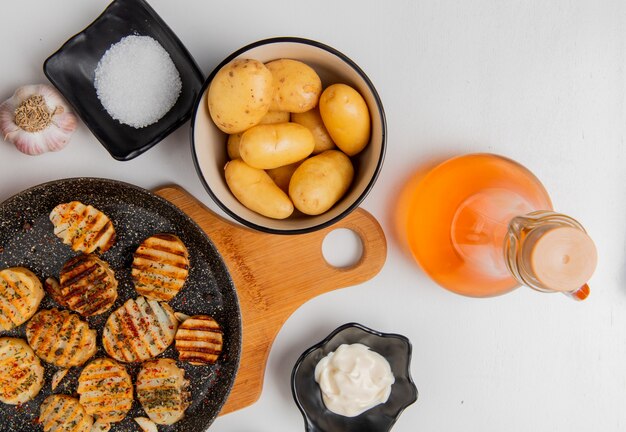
x=135, y=333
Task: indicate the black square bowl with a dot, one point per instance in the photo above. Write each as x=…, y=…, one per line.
x=72, y=68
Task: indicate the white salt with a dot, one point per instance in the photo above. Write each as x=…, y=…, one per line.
x=137, y=81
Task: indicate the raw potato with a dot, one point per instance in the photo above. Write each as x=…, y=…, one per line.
x=282, y=175
x=240, y=95
x=312, y=120
x=297, y=87
x=274, y=145
x=232, y=145
x=346, y=117
x=320, y=182
x=256, y=190
x=275, y=117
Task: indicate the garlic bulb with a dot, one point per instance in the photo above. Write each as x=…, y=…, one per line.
x=37, y=119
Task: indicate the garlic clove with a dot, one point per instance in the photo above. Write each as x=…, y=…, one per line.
x=6, y=118
x=25, y=142
x=23, y=93
x=36, y=119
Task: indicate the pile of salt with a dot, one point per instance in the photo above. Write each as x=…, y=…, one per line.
x=137, y=81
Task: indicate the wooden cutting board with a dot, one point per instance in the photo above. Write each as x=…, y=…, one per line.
x=274, y=275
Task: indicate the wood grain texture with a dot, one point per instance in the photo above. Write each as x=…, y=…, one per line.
x=268, y=296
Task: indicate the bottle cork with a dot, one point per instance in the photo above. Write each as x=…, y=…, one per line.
x=561, y=258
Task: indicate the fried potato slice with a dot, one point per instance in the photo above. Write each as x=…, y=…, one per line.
x=61, y=338
x=160, y=267
x=62, y=413
x=106, y=391
x=163, y=391
x=53, y=287
x=21, y=373
x=58, y=377
x=88, y=285
x=20, y=295
x=139, y=330
x=83, y=227
x=199, y=340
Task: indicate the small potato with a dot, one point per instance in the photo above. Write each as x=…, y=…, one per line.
x=312, y=120
x=274, y=145
x=232, y=145
x=297, y=87
x=282, y=175
x=321, y=181
x=275, y=117
x=256, y=190
x=346, y=117
x=240, y=95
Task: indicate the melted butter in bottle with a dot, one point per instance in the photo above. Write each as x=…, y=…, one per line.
x=481, y=225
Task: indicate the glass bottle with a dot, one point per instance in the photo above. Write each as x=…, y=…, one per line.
x=482, y=225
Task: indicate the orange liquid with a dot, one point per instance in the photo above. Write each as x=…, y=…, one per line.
x=455, y=219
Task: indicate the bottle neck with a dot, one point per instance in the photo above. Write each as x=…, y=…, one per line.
x=479, y=229
x=550, y=252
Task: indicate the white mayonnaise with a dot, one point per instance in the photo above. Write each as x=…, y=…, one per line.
x=353, y=379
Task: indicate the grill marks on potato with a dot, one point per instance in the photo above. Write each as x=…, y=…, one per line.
x=62, y=413
x=162, y=390
x=61, y=338
x=53, y=287
x=199, y=340
x=88, y=285
x=20, y=295
x=21, y=373
x=106, y=390
x=83, y=227
x=139, y=330
x=160, y=267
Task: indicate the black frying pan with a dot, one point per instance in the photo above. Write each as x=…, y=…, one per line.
x=27, y=239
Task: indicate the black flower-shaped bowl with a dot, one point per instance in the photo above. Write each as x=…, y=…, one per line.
x=307, y=394
x=72, y=69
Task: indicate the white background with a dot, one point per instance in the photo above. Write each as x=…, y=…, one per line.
x=542, y=82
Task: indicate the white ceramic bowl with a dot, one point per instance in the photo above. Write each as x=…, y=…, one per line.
x=209, y=143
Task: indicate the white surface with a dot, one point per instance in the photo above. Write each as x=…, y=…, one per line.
x=540, y=82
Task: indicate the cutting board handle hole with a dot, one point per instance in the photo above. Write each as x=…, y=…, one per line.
x=342, y=248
